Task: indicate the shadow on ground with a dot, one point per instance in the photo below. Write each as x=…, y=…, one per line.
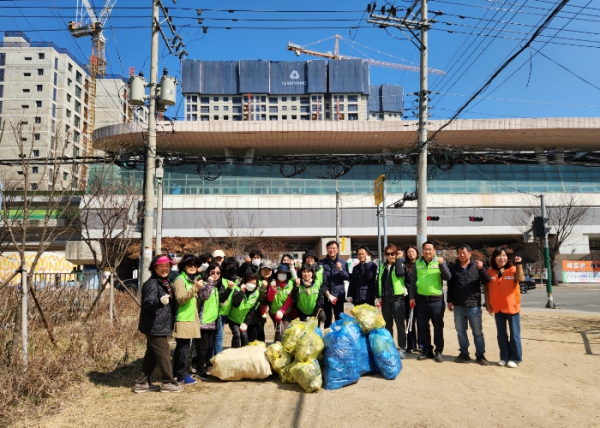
x=123, y=376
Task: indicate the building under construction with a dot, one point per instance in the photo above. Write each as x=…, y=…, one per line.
x=258, y=90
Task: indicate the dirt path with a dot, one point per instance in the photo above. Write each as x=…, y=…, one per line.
x=558, y=384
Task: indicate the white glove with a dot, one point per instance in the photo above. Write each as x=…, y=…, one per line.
x=279, y=315
x=165, y=299
x=243, y=327
x=378, y=302
x=349, y=299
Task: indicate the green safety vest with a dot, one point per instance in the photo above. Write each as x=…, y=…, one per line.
x=187, y=311
x=210, y=311
x=225, y=308
x=319, y=275
x=238, y=315
x=429, y=277
x=397, y=282
x=307, y=298
x=281, y=297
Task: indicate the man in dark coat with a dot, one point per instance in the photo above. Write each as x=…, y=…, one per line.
x=335, y=272
x=363, y=279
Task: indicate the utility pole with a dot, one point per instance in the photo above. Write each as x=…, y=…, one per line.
x=150, y=158
x=385, y=237
x=379, y=239
x=550, y=304
x=338, y=217
x=159, y=205
x=416, y=24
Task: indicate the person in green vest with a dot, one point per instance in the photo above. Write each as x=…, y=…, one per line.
x=392, y=286
x=187, y=324
x=308, y=295
x=256, y=328
x=243, y=305
x=279, y=295
x=210, y=298
x=229, y=268
x=428, y=274
x=312, y=261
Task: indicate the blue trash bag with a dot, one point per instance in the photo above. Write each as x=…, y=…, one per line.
x=319, y=332
x=364, y=360
x=385, y=354
x=339, y=359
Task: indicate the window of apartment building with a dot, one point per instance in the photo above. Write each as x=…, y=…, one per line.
x=236, y=109
x=304, y=109
x=327, y=115
x=36, y=153
x=353, y=116
x=304, y=117
x=38, y=104
x=0, y=107
x=36, y=137
x=69, y=82
x=226, y=117
x=283, y=99
x=216, y=117
x=24, y=139
x=237, y=118
x=204, y=109
x=76, y=121
x=53, y=111
x=294, y=117
x=50, y=175
x=38, y=119
x=216, y=108
x=204, y=118
x=78, y=77
x=34, y=170
x=39, y=88
x=189, y=117
x=294, y=98
x=56, y=63
x=1, y=75
x=68, y=113
x=54, y=94
x=65, y=176
x=284, y=117
x=273, y=100
x=216, y=99
x=76, y=139
x=272, y=117
x=77, y=106
x=204, y=100
x=25, y=106
x=317, y=107
x=338, y=98
x=225, y=108
x=352, y=107
x=52, y=143
x=70, y=67
x=352, y=98
x=26, y=90
x=55, y=79
x=1, y=91
x=194, y=117
x=69, y=98
x=27, y=74
x=3, y=58
x=41, y=55
x=304, y=100
x=40, y=71
x=236, y=100
x=33, y=186
x=28, y=58
x=78, y=91
x=294, y=108
x=273, y=109
x=226, y=99
x=283, y=108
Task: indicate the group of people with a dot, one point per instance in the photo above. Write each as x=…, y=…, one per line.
x=212, y=291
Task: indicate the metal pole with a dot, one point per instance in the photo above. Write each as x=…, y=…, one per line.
x=385, y=237
x=24, y=307
x=150, y=161
x=112, y=299
x=338, y=217
x=159, y=206
x=422, y=173
x=379, y=239
x=550, y=304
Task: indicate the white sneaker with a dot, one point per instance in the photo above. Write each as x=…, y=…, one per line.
x=512, y=365
x=502, y=363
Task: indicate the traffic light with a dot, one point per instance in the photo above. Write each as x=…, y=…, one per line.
x=432, y=218
x=540, y=227
x=475, y=218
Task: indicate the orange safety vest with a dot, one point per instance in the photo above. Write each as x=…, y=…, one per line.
x=504, y=292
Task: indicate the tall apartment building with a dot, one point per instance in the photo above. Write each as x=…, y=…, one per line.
x=44, y=104
x=257, y=90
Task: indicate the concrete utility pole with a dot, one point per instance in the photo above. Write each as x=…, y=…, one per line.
x=385, y=236
x=150, y=159
x=159, y=205
x=416, y=23
x=550, y=304
x=338, y=217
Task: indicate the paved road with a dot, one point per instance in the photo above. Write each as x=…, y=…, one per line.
x=585, y=299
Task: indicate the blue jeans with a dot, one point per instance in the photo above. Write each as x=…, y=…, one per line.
x=509, y=350
x=472, y=314
x=218, y=346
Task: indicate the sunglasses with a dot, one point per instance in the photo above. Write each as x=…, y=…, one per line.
x=214, y=272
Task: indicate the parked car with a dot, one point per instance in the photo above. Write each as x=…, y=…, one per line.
x=527, y=285
x=131, y=284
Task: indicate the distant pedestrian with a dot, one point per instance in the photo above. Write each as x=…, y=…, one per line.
x=157, y=318
x=464, y=299
x=503, y=299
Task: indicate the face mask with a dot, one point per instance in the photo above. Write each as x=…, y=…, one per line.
x=250, y=286
x=282, y=277
x=312, y=265
x=230, y=274
x=256, y=262
x=204, y=266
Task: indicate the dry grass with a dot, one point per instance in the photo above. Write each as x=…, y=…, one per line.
x=53, y=373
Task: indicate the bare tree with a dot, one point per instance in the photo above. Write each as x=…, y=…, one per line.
x=565, y=211
x=41, y=203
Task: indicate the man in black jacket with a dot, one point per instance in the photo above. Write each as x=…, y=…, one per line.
x=157, y=318
x=464, y=299
x=335, y=272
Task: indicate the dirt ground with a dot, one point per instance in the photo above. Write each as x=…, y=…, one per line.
x=558, y=384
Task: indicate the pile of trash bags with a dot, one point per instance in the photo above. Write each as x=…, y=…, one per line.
x=357, y=346
x=296, y=357
x=248, y=362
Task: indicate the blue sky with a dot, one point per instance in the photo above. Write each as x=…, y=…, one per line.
x=485, y=33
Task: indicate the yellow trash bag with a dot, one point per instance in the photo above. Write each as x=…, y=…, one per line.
x=277, y=357
x=258, y=343
x=291, y=335
x=308, y=375
x=285, y=373
x=368, y=317
x=248, y=362
x=309, y=347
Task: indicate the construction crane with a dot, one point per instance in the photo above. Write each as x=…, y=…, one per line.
x=87, y=23
x=297, y=49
